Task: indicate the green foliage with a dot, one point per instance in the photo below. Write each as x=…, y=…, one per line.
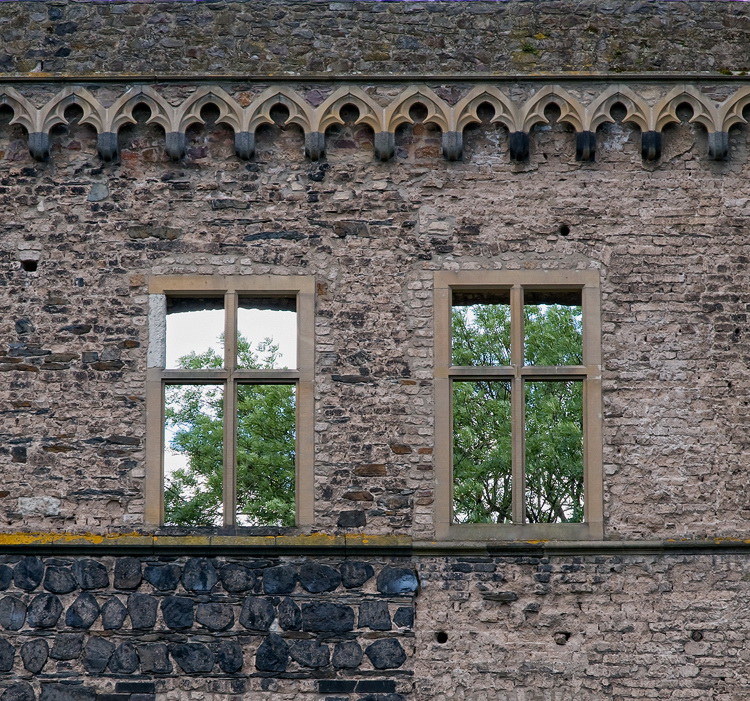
x=265, y=446
x=482, y=441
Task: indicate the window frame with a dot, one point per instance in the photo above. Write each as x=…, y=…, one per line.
x=445, y=282
x=158, y=377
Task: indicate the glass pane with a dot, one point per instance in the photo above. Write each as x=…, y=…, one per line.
x=266, y=447
x=480, y=328
x=267, y=332
x=553, y=327
x=193, y=455
x=482, y=452
x=554, y=452
x=195, y=332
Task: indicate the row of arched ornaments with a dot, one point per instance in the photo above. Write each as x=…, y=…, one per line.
x=519, y=119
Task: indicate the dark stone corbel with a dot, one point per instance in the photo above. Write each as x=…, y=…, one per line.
x=315, y=145
x=244, y=144
x=453, y=145
x=718, y=145
x=175, y=145
x=106, y=145
x=518, y=144
x=585, y=146
x=39, y=145
x=385, y=145
x=651, y=145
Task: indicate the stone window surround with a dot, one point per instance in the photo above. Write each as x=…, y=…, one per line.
x=160, y=287
x=589, y=373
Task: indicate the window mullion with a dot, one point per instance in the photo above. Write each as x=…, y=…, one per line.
x=518, y=482
x=230, y=410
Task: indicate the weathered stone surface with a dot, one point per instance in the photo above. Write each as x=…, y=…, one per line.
x=114, y=613
x=59, y=580
x=386, y=654
x=7, y=653
x=67, y=692
x=44, y=611
x=310, y=653
x=178, y=612
x=34, y=654
x=82, y=612
x=127, y=573
x=215, y=616
x=163, y=577
x=397, y=581
x=90, y=574
x=237, y=578
x=347, y=655
x=229, y=656
x=96, y=654
x=193, y=658
x=374, y=615
x=124, y=659
x=279, y=580
x=352, y=518
x=257, y=613
x=28, y=573
x=290, y=616
x=326, y=617
x=12, y=613
x=142, y=610
x=272, y=655
x=199, y=575
x=404, y=616
x=154, y=658
x=6, y=577
x=19, y=692
x=67, y=646
x=317, y=578
x=355, y=574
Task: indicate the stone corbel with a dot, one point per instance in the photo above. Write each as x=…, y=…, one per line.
x=518, y=145
x=175, y=145
x=385, y=145
x=651, y=145
x=586, y=146
x=107, y=146
x=244, y=144
x=315, y=145
x=718, y=145
x=453, y=145
x=39, y=145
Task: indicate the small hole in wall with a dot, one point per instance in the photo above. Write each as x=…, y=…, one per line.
x=563, y=229
x=441, y=637
x=29, y=266
x=696, y=636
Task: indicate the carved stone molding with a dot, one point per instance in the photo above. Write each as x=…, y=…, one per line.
x=651, y=116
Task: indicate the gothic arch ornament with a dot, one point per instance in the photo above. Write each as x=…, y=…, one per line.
x=438, y=113
x=370, y=113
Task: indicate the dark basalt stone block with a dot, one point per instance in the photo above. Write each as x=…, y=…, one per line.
x=163, y=577
x=90, y=574
x=199, y=575
x=114, y=614
x=178, y=612
x=6, y=577
x=398, y=581
x=82, y=612
x=290, y=616
x=257, y=613
x=347, y=655
x=215, y=616
x=651, y=145
x=44, y=611
x=586, y=146
x=272, y=655
x=142, y=610
x=317, y=578
x=518, y=146
x=96, y=654
x=124, y=660
x=310, y=653
x=12, y=613
x=193, y=658
x=279, y=580
x=66, y=692
x=67, y=646
x=229, y=656
x=154, y=658
x=355, y=574
x=404, y=616
x=59, y=580
x=354, y=518
x=374, y=615
x=237, y=578
x=325, y=617
x=19, y=692
x=7, y=653
x=28, y=573
x=128, y=573
x=34, y=654
x=386, y=654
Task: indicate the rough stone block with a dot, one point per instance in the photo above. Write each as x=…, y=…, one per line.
x=44, y=611
x=199, y=575
x=272, y=655
x=82, y=612
x=59, y=580
x=67, y=646
x=28, y=573
x=193, y=658
x=114, y=613
x=178, y=612
x=355, y=574
x=386, y=654
x=310, y=653
x=257, y=613
x=12, y=613
x=163, y=577
x=127, y=573
x=347, y=655
x=326, y=617
x=397, y=581
x=34, y=654
x=290, y=616
x=374, y=615
x=96, y=654
x=279, y=580
x=142, y=610
x=317, y=578
x=90, y=574
x=215, y=616
x=237, y=578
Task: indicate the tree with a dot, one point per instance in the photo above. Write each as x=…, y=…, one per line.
x=482, y=440
x=265, y=445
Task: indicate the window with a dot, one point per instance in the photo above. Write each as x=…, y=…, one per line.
x=518, y=395
x=230, y=401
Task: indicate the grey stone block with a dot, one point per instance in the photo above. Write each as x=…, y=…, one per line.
x=59, y=580
x=374, y=615
x=12, y=613
x=34, y=654
x=193, y=658
x=323, y=616
x=347, y=655
x=142, y=610
x=114, y=614
x=215, y=616
x=82, y=612
x=28, y=573
x=90, y=574
x=272, y=655
x=178, y=612
x=44, y=611
x=317, y=578
x=199, y=575
x=128, y=573
x=257, y=613
x=386, y=654
x=310, y=653
x=96, y=654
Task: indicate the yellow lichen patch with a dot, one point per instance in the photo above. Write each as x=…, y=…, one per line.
x=264, y=541
x=378, y=541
